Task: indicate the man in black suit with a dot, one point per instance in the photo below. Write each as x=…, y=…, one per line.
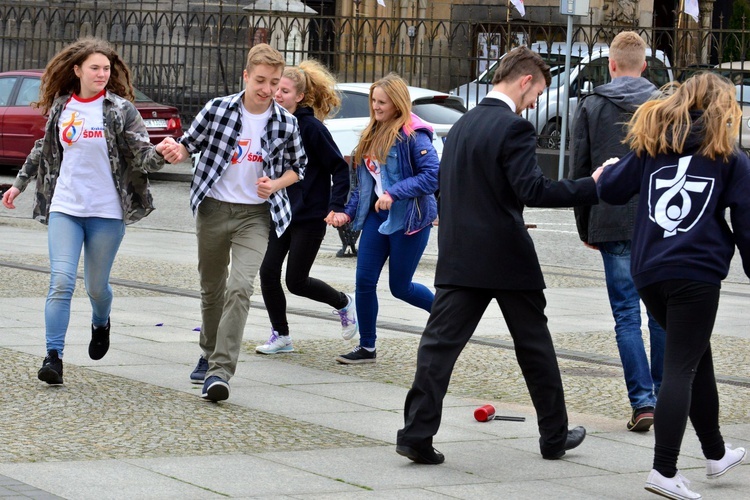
x=488, y=173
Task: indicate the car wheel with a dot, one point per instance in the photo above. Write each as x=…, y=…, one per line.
x=550, y=136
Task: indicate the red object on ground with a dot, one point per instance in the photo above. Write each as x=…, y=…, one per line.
x=484, y=413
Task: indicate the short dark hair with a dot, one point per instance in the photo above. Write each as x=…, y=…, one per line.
x=520, y=62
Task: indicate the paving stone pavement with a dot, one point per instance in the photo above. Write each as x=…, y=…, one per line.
x=300, y=425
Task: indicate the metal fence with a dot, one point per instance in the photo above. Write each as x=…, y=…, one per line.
x=184, y=52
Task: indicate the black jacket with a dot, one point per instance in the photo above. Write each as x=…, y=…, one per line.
x=599, y=127
x=314, y=196
x=681, y=231
x=488, y=173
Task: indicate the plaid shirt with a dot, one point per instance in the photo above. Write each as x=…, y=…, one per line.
x=214, y=133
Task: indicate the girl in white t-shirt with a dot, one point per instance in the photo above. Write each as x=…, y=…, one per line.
x=85, y=194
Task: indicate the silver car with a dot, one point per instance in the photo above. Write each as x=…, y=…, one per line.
x=589, y=68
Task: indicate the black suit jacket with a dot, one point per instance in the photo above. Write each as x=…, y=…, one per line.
x=488, y=173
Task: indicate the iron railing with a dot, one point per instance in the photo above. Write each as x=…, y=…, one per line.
x=183, y=53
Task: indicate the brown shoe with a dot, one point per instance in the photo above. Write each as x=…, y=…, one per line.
x=642, y=419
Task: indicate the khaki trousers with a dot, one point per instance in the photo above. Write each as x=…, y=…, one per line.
x=236, y=233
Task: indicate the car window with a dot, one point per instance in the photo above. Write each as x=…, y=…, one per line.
x=29, y=91
x=738, y=77
x=596, y=72
x=353, y=105
x=487, y=78
x=442, y=111
x=656, y=71
x=141, y=97
x=6, y=87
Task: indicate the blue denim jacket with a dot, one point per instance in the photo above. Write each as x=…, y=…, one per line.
x=409, y=176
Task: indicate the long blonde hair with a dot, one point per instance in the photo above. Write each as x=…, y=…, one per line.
x=378, y=138
x=59, y=79
x=318, y=86
x=664, y=125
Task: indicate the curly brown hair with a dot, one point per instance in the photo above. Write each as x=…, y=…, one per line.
x=317, y=84
x=59, y=78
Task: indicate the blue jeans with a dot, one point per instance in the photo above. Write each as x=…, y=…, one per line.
x=66, y=236
x=403, y=253
x=643, y=382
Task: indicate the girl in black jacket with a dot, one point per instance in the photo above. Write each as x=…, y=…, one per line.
x=687, y=168
x=307, y=91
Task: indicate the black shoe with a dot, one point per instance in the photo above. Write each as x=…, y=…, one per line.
x=215, y=389
x=358, y=356
x=199, y=374
x=52, y=369
x=427, y=455
x=99, y=344
x=642, y=419
x=575, y=437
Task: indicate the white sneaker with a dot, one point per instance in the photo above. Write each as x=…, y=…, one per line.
x=348, y=315
x=676, y=487
x=731, y=459
x=276, y=343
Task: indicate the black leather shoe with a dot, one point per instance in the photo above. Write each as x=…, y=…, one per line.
x=428, y=455
x=575, y=437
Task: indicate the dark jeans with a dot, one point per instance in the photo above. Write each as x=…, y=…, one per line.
x=402, y=253
x=301, y=242
x=687, y=310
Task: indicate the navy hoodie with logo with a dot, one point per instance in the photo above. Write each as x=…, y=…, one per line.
x=681, y=229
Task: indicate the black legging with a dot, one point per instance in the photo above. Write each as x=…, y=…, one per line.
x=302, y=242
x=687, y=311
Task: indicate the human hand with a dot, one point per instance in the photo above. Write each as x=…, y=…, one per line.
x=337, y=219
x=384, y=202
x=604, y=165
x=266, y=187
x=589, y=245
x=172, y=151
x=9, y=196
x=597, y=173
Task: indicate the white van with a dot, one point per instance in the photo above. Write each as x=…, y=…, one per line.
x=589, y=68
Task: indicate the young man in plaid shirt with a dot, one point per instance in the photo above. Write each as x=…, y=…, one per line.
x=251, y=151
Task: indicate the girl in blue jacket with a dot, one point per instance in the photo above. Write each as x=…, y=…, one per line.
x=394, y=206
x=688, y=171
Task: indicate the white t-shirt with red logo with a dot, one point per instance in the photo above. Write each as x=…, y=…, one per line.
x=238, y=181
x=373, y=166
x=85, y=187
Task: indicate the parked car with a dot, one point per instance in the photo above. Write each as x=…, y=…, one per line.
x=21, y=124
x=743, y=97
x=589, y=68
x=346, y=124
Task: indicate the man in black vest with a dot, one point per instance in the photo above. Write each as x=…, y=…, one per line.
x=488, y=173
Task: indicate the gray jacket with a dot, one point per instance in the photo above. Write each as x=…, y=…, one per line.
x=600, y=126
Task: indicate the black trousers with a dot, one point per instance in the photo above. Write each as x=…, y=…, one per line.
x=455, y=314
x=687, y=311
x=301, y=242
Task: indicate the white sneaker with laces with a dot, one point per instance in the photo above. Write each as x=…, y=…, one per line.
x=731, y=459
x=348, y=315
x=676, y=487
x=276, y=343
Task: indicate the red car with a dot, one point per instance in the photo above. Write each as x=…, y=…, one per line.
x=21, y=125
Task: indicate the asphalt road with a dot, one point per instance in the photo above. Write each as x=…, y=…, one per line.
x=555, y=236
